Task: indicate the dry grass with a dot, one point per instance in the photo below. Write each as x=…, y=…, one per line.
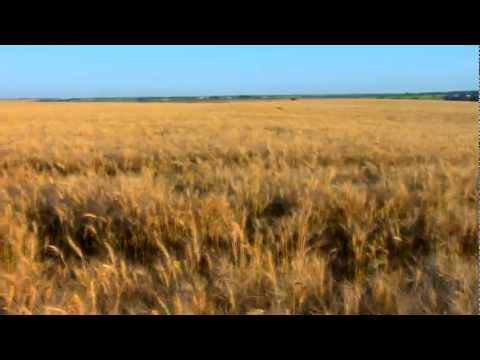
x=305, y=207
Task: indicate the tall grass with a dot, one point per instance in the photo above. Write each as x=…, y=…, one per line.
x=306, y=207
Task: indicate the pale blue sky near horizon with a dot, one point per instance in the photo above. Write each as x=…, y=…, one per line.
x=198, y=70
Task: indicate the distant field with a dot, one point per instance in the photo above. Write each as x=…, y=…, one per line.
x=336, y=206
x=452, y=95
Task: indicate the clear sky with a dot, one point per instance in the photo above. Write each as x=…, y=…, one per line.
x=102, y=71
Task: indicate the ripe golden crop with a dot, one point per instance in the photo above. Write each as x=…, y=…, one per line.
x=285, y=207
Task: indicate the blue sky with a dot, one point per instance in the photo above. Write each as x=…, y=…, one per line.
x=96, y=71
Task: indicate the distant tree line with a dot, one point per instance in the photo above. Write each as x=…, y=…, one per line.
x=462, y=96
x=451, y=95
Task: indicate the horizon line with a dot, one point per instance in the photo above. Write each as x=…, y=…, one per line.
x=238, y=95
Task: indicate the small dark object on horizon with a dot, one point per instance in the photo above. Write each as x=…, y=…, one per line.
x=463, y=96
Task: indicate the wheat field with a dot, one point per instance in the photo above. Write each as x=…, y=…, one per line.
x=261, y=207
